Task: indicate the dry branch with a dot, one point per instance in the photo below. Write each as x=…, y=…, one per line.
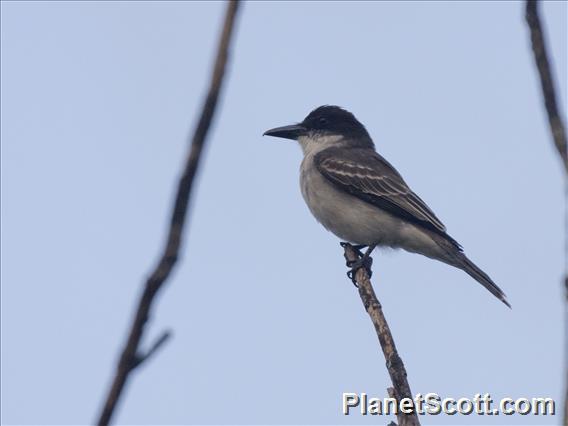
x=557, y=127
x=130, y=358
x=549, y=94
x=395, y=366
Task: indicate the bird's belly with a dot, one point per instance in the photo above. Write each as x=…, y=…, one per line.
x=348, y=217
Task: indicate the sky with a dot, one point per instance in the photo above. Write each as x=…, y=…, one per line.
x=97, y=101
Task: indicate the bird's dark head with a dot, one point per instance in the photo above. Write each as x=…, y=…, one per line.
x=334, y=120
x=325, y=123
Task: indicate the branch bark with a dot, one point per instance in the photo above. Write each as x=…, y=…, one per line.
x=557, y=126
x=395, y=366
x=130, y=358
x=549, y=94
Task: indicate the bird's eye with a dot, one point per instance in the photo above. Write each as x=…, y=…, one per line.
x=322, y=120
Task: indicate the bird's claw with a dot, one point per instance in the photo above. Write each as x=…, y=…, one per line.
x=364, y=260
x=355, y=265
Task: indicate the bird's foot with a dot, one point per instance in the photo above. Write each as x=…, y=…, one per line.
x=363, y=262
x=357, y=247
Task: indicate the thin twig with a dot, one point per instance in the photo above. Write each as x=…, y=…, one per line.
x=547, y=82
x=558, y=130
x=164, y=337
x=395, y=366
x=130, y=358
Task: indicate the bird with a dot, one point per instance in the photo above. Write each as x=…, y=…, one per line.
x=361, y=198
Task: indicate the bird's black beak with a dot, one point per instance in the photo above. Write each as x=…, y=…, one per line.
x=294, y=131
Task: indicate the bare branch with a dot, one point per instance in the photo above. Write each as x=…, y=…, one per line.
x=129, y=359
x=543, y=64
x=557, y=126
x=395, y=366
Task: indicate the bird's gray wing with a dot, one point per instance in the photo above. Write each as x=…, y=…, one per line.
x=368, y=176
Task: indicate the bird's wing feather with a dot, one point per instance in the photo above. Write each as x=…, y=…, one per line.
x=368, y=176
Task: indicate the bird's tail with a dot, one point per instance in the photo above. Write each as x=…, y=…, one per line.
x=481, y=277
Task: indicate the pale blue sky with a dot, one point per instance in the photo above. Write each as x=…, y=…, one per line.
x=97, y=101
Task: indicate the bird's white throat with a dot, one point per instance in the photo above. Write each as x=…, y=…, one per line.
x=312, y=144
